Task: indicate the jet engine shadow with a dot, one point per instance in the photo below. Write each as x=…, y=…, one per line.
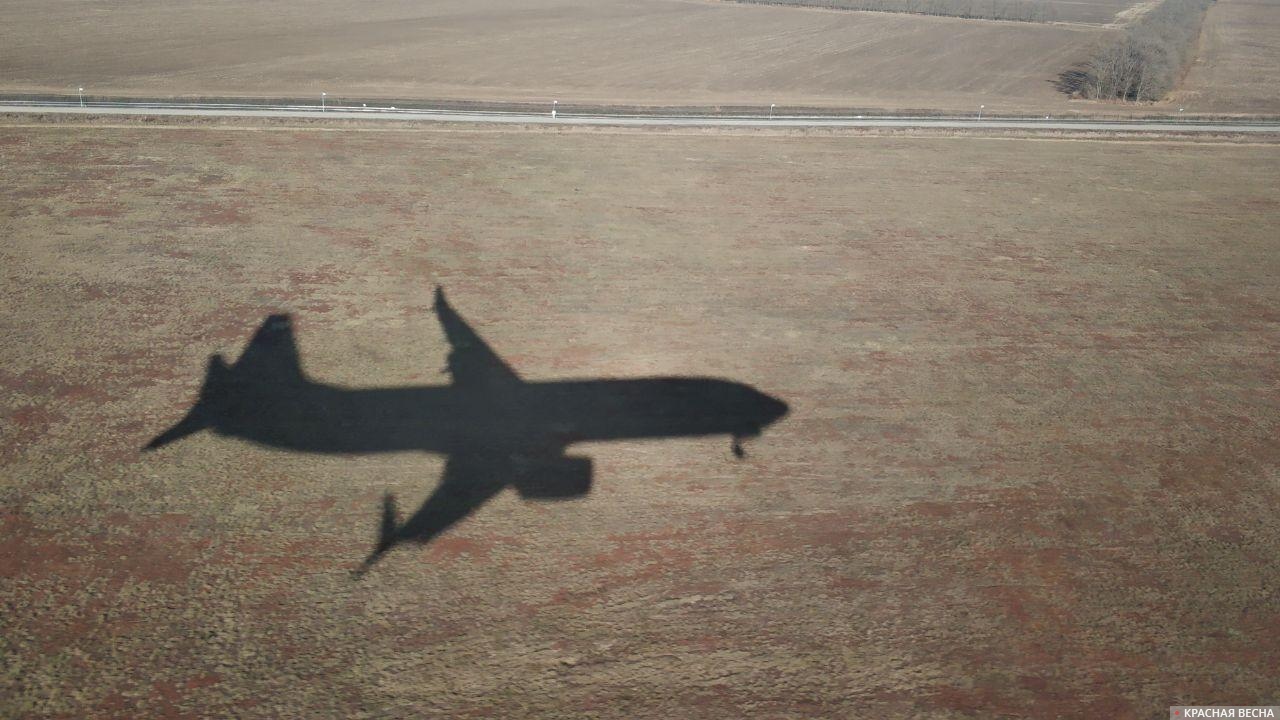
x=495, y=429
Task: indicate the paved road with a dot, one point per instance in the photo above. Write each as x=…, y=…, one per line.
x=792, y=121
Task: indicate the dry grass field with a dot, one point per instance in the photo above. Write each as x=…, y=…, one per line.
x=1238, y=63
x=1031, y=466
x=583, y=51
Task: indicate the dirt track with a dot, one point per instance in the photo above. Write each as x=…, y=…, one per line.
x=1031, y=466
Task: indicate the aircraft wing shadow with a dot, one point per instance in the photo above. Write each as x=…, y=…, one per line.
x=469, y=481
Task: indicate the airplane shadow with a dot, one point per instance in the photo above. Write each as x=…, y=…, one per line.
x=495, y=428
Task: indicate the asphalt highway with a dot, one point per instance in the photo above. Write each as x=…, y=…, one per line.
x=124, y=108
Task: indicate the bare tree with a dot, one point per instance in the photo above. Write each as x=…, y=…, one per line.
x=1149, y=57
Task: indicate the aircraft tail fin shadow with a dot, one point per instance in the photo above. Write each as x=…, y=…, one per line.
x=271, y=358
x=200, y=416
x=272, y=354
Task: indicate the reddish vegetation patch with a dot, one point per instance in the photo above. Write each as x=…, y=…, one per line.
x=933, y=509
x=26, y=550
x=85, y=564
x=318, y=308
x=265, y=561
x=34, y=193
x=115, y=705
x=100, y=211
x=91, y=291
x=213, y=213
x=68, y=156
x=137, y=369
x=575, y=356
x=855, y=584
x=152, y=549
x=902, y=433
x=231, y=326
x=987, y=701
x=78, y=393
x=324, y=275
x=642, y=557
x=51, y=397
x=452, y=547
x=827, y=530
x=343, y=237
x=26, y=424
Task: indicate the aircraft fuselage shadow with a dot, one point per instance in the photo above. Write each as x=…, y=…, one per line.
x=447, y=420
x=495, y=429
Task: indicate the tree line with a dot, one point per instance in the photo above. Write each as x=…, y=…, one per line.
x=1148, y=58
